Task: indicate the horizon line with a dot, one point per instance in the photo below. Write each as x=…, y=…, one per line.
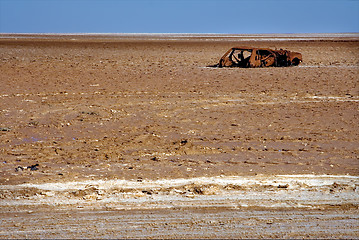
x=177, y=33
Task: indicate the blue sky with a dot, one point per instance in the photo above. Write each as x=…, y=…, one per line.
x=175, y=16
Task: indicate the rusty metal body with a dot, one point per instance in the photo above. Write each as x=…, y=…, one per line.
x=248, y=57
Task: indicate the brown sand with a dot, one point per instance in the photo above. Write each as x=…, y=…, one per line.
x=138, y=109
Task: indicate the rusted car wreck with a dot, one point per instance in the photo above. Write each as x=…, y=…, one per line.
x=249, y=57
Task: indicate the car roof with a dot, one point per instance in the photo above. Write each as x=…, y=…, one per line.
x=251, y=48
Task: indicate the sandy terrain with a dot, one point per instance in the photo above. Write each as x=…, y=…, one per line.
x=134, y=131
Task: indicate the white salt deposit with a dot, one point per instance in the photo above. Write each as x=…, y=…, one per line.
x=288, y=191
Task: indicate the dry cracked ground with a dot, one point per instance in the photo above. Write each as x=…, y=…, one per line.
x=136, y=137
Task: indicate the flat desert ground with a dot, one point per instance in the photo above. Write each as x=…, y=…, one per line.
x=133, y=136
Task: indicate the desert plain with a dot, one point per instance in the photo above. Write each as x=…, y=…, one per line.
x=133, y=136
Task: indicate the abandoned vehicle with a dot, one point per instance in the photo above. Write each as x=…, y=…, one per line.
x=248, y=57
